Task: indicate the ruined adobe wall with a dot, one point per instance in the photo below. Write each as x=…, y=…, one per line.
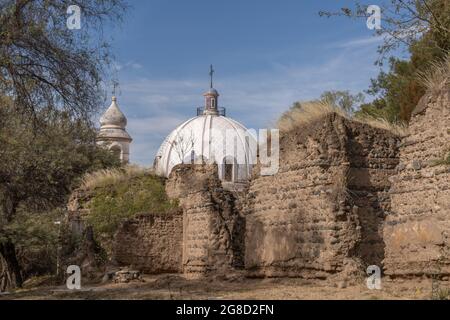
x=151, y=243
x=373, y=157
x=322, y=212
x=213, y=230
x=417, y=231
x=77, y=210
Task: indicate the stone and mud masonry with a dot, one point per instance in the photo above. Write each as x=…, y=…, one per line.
x=348, y=195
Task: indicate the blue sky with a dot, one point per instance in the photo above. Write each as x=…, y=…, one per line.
x=266, y=53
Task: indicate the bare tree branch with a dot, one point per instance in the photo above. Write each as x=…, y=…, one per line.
x=43, y=64
x=404, y=22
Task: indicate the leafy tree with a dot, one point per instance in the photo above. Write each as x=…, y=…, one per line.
x=423, y=28
x=396, y=93
x=343, y=100
x=36, y=238
x=50, y=75
x=44, y=64
x=39, y=168
x=404, y=22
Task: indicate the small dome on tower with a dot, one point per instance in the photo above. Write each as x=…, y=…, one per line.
x=112, y=133
x=113, y=116
x=212, y=91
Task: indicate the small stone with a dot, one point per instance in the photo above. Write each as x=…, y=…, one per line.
x=416, y=164
x=428, y=174
x=334, y=240
x=106, y=278
x=125, y=276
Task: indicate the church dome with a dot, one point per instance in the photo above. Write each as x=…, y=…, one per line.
x=204, y=139
x=213, y=92
x=113, y=116
x=209, y=138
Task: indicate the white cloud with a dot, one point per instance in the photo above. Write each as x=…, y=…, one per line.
x=359, y=42
x=127, y=65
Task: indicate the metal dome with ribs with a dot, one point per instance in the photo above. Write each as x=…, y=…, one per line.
x=201, y=139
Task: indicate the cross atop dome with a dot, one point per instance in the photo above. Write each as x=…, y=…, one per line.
x=211, y=73
x=211, y=96
x=115, y=84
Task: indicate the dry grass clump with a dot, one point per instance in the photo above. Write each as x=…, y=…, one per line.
x=307, y=112
x=437, y=77
x=445, y=160
x=304, y=113
x=399, y=129
x=107, y=177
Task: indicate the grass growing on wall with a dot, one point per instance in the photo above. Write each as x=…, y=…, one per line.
x=302, y=114
x=444, y=161
x=122, y=197
x=437, y=78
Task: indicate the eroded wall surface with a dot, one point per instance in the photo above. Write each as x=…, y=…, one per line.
x=151, y=243
x=213, y=230
x=323, y=212
x=417, y=231
x=347, y=195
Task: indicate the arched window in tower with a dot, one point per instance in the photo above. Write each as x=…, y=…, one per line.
x=117, y=151
x=213, y=103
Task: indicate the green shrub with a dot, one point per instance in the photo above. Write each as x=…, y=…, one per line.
x=125, y=198
x=35, y=235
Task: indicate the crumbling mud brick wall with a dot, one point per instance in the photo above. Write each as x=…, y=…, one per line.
x=417, y=231
x=314, y=218
x=213, y=229
x=151, y=243
x=77, y=210
x=373, y=158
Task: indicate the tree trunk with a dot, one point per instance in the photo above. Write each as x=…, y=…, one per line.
x=4, y=275
x=10, y=275
x=10, y=272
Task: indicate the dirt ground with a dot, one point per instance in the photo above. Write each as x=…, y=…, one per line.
x=175, y=287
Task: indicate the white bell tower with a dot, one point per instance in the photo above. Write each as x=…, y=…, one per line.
x=112, y=132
